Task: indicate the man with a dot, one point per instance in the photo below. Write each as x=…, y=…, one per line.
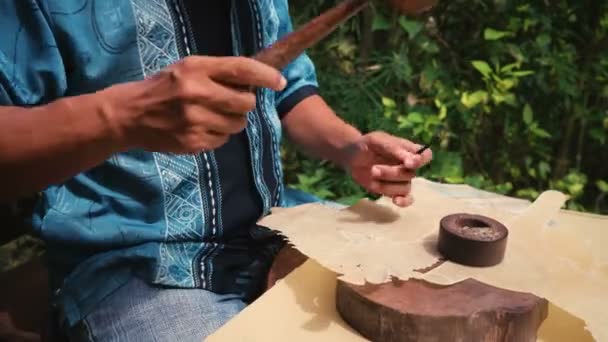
x=154, y=167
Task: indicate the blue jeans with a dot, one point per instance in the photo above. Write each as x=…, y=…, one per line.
x=139, y=312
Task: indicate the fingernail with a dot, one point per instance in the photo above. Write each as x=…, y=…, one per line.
x=282, y=83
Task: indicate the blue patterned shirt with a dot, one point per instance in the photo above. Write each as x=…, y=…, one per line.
x=153, y=215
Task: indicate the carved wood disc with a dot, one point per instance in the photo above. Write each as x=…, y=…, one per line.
x=416, y=310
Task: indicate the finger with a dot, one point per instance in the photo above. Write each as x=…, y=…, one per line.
x=247, y=72
x=195, y=141
x=412, y=161
x=225, y=124
x=426, y=157
x=209, y=120
x=391, y=188
x=392, y=148
x=423, y=158
x=392, y=173
x=403, y=201
x=229, y=100
x=219, y=97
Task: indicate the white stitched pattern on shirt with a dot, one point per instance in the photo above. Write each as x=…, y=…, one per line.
x=278, y=174
x=212, y=193
x=183, y=26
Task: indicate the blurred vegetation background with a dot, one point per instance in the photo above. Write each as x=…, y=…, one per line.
x=517, y=90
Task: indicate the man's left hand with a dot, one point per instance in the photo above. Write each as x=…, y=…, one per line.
x=384, y=164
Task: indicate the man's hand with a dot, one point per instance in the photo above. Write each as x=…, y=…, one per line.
x=385, y=165
x=191, y=106
x=379, y=162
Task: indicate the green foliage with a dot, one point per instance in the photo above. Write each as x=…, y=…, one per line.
x=19, y=251
x=517, y=89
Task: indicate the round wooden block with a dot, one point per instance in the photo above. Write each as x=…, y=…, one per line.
x=472, y=240
x=419, y=311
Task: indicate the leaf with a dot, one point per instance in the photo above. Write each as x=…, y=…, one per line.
x=543, y=40
x=323, y=193
x=430, y=72
x=504, y=188
x=454, y=180
x=507, y=98
x=447, y=165
x=541, y=133
x=528, y=23
x=429, y=75
x=430, y=47
x=576, y=189
x=602, y=185
x=380, y=23
x=473, y=99
x=443, y=112
x=544, y=168
x=415, y=117
x=476, y=180
x=492, y=34
x=527, y=193
x=388, y=102
x=507, y=83
x=483, y=67
x=509, y=67
x=404, y=123
x=522, y=73
x=438, y=103
x=346, y=48
x=515, y=172
x=528, y=114
x=412, y=27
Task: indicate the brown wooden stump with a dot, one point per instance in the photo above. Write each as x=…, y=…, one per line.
x=416, y=310
x=420, y=311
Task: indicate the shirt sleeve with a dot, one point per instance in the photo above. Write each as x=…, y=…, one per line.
x=300, y=74
x=31, y=68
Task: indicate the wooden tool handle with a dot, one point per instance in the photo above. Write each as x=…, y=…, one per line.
x=288, y=48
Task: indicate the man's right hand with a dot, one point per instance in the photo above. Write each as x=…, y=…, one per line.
x=191, y=106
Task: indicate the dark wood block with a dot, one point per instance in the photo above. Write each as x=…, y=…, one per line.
x=416, y=310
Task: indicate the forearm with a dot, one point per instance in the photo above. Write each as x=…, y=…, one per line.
x=319, y=132
x=48, y=144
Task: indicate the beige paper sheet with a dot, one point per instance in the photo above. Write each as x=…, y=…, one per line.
x=372, y=241
x=302, y=308
x=548, y=253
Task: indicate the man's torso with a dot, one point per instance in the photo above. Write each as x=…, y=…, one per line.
x=175, y=220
